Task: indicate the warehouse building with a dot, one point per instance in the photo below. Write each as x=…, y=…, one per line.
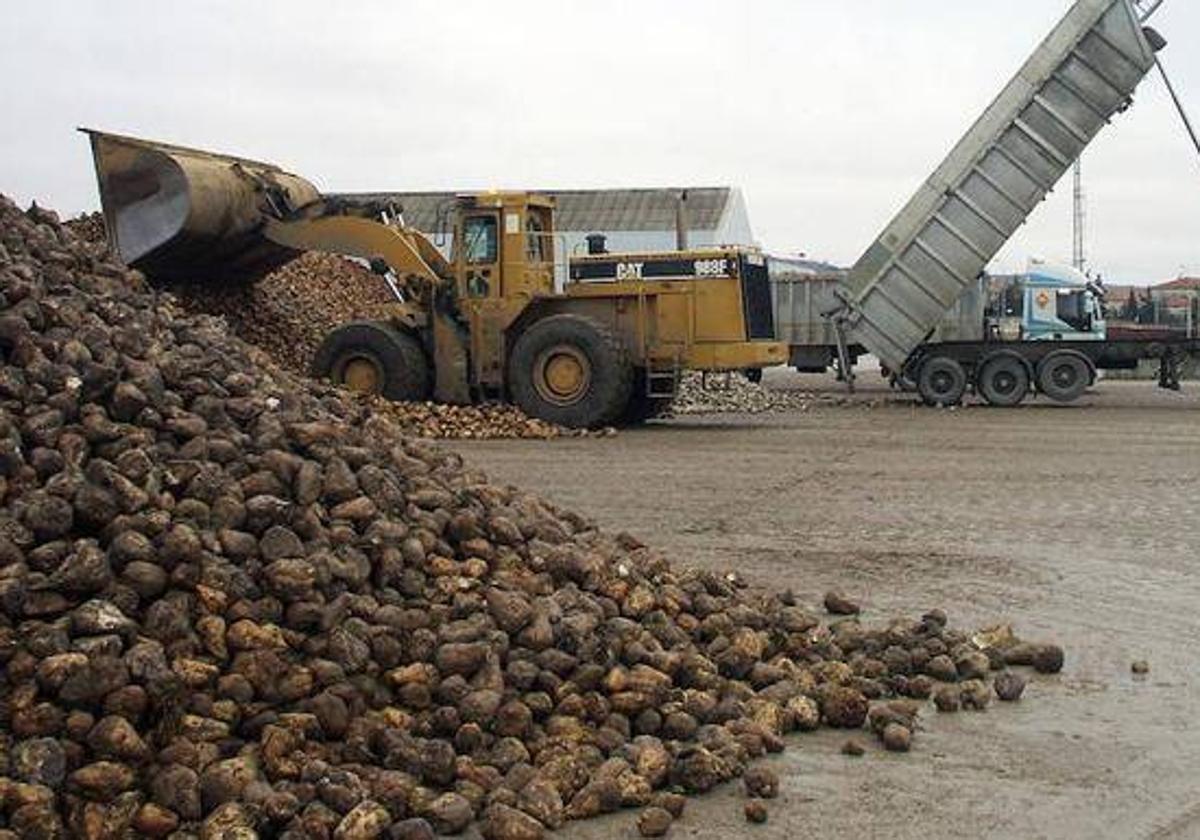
x=630, y=219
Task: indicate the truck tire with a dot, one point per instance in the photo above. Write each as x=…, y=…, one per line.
x=1064, y=376
x=571, y=370
x=1003, y=380
x=374, y=357
x=942, y=381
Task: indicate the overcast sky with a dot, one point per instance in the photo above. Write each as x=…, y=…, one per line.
x=827, y=114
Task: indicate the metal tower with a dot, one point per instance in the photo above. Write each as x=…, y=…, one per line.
x=1079, y=257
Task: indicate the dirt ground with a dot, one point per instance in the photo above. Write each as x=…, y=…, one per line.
x=1077, y=524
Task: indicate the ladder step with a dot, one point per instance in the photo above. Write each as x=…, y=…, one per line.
x=662, y=384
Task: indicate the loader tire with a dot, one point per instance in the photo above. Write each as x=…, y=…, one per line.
x=1064, y=376
x=571, y=370
x=1003, y=380
x=942, y=382
x=374, y=357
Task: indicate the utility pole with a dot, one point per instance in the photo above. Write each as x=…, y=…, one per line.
x=1079, y=257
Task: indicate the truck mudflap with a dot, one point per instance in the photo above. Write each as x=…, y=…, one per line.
x=1081, y=76
x=182, y=214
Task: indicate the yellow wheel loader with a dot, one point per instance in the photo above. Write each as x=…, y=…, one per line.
x=580, y=341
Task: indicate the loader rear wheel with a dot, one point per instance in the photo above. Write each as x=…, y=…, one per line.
x=1003, y=381
x=373, y=357
x=571, y=370
x=942, y=382
x=1063, y=377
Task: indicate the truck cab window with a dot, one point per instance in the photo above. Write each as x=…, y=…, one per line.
x=1073, y=310
x=479, y=239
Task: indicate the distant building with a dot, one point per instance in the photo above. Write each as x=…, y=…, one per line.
x=1176, y=297
x=782, y=267
x=1174, y=303
x=631, y=219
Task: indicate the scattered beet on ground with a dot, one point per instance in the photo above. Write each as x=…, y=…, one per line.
x=233, y=600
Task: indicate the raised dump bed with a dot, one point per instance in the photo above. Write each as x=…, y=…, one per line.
x=933, y=251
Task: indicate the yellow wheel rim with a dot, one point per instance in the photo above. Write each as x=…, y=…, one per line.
x=562, y=375
x=362, y=375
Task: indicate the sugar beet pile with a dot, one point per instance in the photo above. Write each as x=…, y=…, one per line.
x=288, y=313
x=234, y=601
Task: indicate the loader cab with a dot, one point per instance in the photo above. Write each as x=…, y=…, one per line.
x=503, y=257
x=503, y=246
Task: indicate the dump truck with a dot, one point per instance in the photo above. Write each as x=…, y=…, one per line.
x=898, y=301
x=486, y=322
x=1047, y=323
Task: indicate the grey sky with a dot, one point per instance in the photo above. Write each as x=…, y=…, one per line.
x=827, y=114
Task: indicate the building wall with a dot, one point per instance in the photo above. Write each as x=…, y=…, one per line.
x=645, y=240
x=734, y=227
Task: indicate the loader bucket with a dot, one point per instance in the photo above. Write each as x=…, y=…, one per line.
x=183, y=214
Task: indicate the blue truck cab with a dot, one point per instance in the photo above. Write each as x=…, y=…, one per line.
x=1061, y=304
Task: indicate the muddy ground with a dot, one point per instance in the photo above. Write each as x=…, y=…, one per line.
x=1078, y=524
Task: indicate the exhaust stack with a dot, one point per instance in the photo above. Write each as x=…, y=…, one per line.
x=681, y=221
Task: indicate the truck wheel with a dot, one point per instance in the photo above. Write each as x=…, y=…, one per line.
x=571, y=370
x=1063, y=377
x=942, y=381
x=373, y=357
x=1003, y=381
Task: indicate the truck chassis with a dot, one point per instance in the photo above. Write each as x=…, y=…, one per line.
x=1004, y=373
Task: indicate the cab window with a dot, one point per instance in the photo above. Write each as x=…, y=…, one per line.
x=1073, y=310
x=535, y=242
x=479, y=239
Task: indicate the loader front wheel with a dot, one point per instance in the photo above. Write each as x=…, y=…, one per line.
x=373, y=357
x=571, y=370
